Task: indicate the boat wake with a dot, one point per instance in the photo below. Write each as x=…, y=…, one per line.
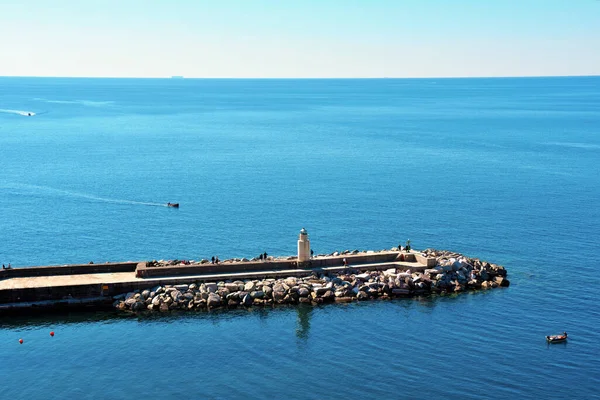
x=68, y=193
x=574, y=145
x=18, y=112
x=89, y=103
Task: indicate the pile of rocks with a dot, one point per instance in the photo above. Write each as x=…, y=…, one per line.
x=453, y=273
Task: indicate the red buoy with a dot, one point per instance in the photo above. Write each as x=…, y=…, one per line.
x=21, y=341
x=51, y=333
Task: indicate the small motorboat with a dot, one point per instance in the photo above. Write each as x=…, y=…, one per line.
x=557, y=338
x=174, y=205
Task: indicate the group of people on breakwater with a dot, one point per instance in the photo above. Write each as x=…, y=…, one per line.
x=453, y=273
x=262, y=257
x=215, y=259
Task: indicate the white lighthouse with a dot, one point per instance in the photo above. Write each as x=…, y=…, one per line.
x=303, y=246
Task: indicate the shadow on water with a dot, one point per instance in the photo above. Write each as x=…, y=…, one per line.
x=561, y=345
x=214, y=316
x=304, y=313
x=36, y=320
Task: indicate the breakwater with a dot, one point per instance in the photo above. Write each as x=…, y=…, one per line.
x=449, y=273
x=175, y=284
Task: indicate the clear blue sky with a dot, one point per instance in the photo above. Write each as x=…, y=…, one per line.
x=299, y=38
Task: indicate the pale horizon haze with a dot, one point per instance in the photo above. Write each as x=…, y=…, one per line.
x=299, y=39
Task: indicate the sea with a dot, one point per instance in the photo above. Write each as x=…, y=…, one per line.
x=503, y=169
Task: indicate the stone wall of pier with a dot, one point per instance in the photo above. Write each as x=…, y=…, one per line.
x=70, y=269
x=236, y=265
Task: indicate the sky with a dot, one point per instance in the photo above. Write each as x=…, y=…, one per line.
x=299, y=38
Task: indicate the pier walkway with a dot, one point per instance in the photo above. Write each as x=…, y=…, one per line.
x=130, y=277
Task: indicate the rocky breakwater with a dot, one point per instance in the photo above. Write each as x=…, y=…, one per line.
x=453, y=273
x=456, y=273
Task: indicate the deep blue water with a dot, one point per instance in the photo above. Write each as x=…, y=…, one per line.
x=503, y=169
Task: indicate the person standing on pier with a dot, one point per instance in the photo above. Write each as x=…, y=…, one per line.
x=212, y=260
x=265, y=256
x=216, y=259
x=312, y=253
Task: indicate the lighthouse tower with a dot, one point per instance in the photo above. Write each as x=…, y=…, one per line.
x=303, y=246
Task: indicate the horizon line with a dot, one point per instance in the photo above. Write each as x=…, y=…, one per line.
x=183, y=77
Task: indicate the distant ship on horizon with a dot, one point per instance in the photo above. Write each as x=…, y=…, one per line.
x=177, y=77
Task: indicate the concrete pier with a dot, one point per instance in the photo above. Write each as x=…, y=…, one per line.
x=47, y=287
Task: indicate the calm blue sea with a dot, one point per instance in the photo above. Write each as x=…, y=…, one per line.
x=507, y=170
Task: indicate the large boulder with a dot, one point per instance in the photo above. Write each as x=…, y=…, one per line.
x=138, y=306
x=232, y=287
x=268, y=290
x=328, y=295
x=484, y=275
x=502, y=282
x=158, y=289
x=362, y=296
x=249, y=286
x=232, y=303
x=278, y=295
x=291, y=281
x=176, y=295
x=247, y=300
x=390, y=272
x=303, y=292
x=211, y=287
x=234, y=296
x=214, y=300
